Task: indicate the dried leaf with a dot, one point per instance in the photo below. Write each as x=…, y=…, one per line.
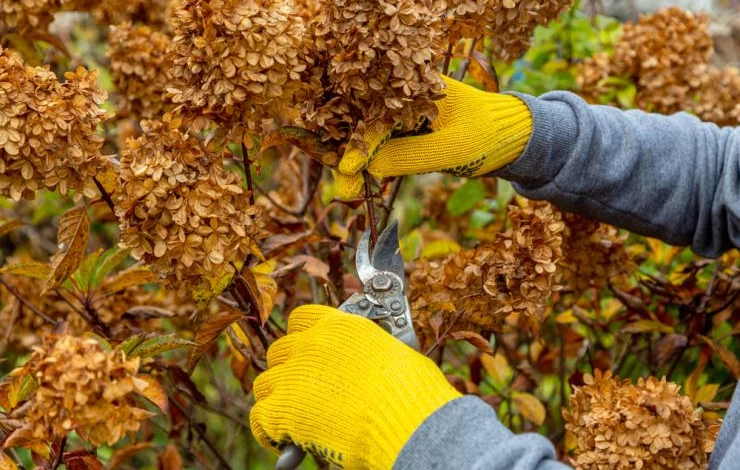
x=473, y=338
x=6, y=463
x=132, y=277
x=72, y=236
x=276, y=245
x=312, y=265
x=16, y=389
x=32, y=269
x=728, y=358
x=208, y=331
x=483, y=72
x=647, y=326
x=81, y=460
x=122, y=455
x=305, y=140
x=705, y=394
x=10, y=225
x=152, y=390
x=497, y=367
x=170, y=458
x=529, y=406
x=157, y=345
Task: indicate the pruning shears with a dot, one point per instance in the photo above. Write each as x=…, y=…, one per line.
x=382, y=299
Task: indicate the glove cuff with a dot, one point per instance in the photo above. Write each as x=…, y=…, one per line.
x=398, y=419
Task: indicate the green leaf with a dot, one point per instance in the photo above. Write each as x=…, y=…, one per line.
x=84, y=273
x=466, y=197
x=626, y=96
x=158, y=344
x=110, y=260
x=134, y=276
x=102, y=341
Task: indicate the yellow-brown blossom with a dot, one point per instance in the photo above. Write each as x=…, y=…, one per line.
x=140, y=69
x=509, y=23
x=476, y=289
x=82, y=387
x=593, y=253
x=618, y=425
x=666, y=57
x=22, y=16
x=48, y=136
x=372, y=64
x=235, y=62
x=180, y=210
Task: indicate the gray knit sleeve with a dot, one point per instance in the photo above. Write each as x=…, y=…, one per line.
x=670, y=177
x=465, y=434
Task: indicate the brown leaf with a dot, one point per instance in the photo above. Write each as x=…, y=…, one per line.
x=32, y=269
x=22, y=437
x=667, y=346
x=122, y=455
x=6, y=463
x=170, y=458
x=305, y=140
x=209, y=331
x=529, y=406
x=312, y=265
x=497, y=367
x=483, y=71
x=16, y=388
x=81, y=460
x=132, y=277
x=647, y=326
x=72, y=235
x=9, y=226
x=728, y=358
x=149, y=388
x=260, y=290
x=276, y=245
x=473, y=338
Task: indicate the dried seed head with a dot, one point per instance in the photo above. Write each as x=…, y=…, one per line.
x=180, y=210
x=85, y=388
x=510, y=23
x=140, y=69
x=476, y=289
x=235, y=62
x=48, y=136
x=666, y=56
x=373, y=63
x=619, y=425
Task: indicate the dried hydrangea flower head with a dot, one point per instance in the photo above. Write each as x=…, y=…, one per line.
x=620, y=425
x=140, y=69
x=235, y=61
x=667, y=56
x=476, y=289
x=180, y=210
x=373, y=64
x=85, y=388
x=510, y=23
x=22, y=16
x=48, y=129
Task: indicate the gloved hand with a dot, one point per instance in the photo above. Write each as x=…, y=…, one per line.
x=474, y=133
x=340, y=386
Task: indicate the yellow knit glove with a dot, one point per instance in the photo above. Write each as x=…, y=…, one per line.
x=340, y=386
x=475, y=132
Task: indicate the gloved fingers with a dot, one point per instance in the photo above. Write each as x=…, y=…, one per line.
x=306, y=316
x=282, y=349
x=348, y=186
x=265, y=383
x=260, y=420
x=355, y=157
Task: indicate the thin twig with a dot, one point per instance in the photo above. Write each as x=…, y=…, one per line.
x=448, y=57
x=104, y=195
x=60, y=455
x=25, y=302
x=248, y=173
x=388, y=205
x=202, y=435
x=370, y=208
x=460, y=75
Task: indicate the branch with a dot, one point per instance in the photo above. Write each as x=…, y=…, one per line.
x=105, y=196
x=370, y=208
x=28, y=304
x=248, y=173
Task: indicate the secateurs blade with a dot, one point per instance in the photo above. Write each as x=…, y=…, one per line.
x=383, y=300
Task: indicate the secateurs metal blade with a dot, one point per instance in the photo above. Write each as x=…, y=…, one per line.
x=382, y=299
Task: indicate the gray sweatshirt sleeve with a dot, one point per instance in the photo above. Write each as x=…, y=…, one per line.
x=466, y=435
x=670, y=177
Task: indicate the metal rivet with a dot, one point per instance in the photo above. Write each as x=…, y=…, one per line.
x=382, y=282
x=400, y=322
x=363, y=304
x=396, y=305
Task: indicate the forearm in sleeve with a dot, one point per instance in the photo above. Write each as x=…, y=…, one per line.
x=670, y=177
x=466, y=434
